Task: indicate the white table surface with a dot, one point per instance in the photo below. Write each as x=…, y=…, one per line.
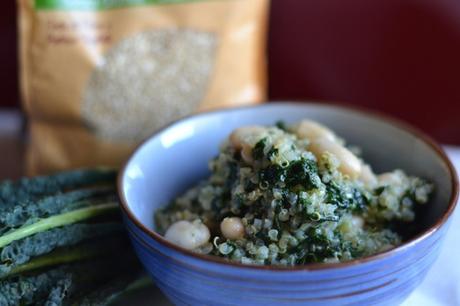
x=441, y=287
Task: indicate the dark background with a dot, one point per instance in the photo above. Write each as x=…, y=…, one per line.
x=399, y=57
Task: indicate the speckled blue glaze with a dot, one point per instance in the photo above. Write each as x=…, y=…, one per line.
x=176, y=157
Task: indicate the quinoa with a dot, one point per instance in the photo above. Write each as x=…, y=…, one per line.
x=146, y=81
x=296, y=207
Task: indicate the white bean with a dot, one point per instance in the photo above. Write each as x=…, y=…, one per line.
x=244, y=138
x=245, y=134
x=189, y=235
x=232, y=228
x=389, y=178
x=367, y=175
x=246, y=153
x=349, y=164
x=311, y=130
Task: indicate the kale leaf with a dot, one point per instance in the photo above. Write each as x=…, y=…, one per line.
x=21, y=251
x=29, y=189
x=258, y=150
x=27, y=212
x=303, y=172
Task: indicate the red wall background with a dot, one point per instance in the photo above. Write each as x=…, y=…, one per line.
x=8, y=55
x=400, y=57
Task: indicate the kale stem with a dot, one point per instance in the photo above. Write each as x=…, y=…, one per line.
x=57, y=221
x=140, y=283
x=11, y=217
x=61, y=257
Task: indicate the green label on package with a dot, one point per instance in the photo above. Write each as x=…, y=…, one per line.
x=93, y=5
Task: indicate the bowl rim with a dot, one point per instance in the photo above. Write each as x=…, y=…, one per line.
x=310, y=266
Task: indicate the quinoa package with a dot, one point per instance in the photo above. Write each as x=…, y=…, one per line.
x=99, y=76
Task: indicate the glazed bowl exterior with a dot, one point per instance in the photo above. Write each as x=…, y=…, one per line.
x=176, y=157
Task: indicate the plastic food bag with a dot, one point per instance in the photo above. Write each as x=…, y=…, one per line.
x=99, y=76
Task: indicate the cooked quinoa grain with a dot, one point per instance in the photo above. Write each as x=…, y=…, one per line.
x=286, y=196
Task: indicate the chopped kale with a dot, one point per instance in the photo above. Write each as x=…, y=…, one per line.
x=294, y=205
x=273, y=175
x=315, y=248
x=359, y=200
x=272, y=153
x=249, y=186
x=378, y=191
x=281, y=125
x=336, y=195
x=303, y=172
x=258, y=150
x=232, y=175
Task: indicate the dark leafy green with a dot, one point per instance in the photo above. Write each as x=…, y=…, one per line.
x=281, y=125
x=58, y=292
x=61, y=239
x=303, y=172
x=355, y=200
x=29, y=189
x=21, y=251
x=258, y=150
x=27, y=212
x=315, y=248
x=272, y=175
x=27, y=290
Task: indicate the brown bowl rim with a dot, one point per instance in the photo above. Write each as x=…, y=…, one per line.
x=311, y=266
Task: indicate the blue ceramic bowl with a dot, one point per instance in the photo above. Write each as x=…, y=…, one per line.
x=176, y=157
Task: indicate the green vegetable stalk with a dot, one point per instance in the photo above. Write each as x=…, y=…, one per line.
x=21, y=251
x=28, y=212
x=98, y=248
x=114, y=289
x=56, y=221
x=62, y=241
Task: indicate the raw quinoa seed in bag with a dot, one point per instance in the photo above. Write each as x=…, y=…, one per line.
x=99, y=76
